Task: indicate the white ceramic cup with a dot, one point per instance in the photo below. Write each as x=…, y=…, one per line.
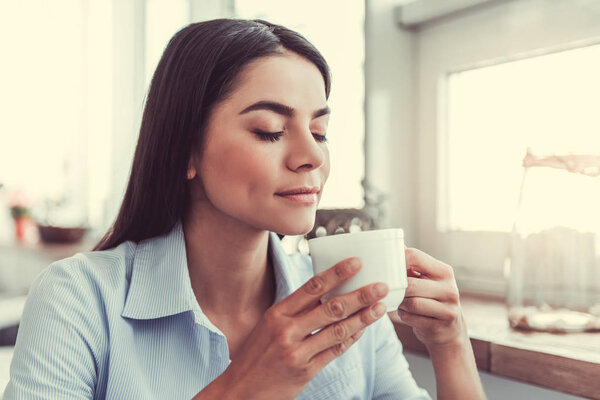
x=381, y=253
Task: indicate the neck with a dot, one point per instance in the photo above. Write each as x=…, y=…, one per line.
x=228, y=264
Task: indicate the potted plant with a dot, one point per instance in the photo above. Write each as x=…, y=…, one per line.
x=21, y=214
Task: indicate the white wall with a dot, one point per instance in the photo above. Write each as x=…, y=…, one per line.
x=389, y=113
x=128, y=94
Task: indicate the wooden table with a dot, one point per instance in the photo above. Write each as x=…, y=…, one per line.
x=568, y=363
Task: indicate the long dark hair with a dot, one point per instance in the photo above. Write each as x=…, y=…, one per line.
x=196, y=71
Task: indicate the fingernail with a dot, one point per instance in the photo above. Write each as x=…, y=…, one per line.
x=353, y=264
x=380, y=289
x=378, y=310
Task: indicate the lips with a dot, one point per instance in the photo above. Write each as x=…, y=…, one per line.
x=303, y=195
x=302, y=190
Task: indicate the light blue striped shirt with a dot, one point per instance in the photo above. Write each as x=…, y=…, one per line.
x=125, y=324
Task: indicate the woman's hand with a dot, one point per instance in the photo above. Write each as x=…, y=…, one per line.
x=431, y=304
x=283, y=352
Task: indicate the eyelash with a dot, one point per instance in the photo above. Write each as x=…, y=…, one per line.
x=275, y=136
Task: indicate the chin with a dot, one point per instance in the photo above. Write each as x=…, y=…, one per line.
x=294, y=229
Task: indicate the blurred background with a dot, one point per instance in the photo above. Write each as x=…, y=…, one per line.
x=474, y=125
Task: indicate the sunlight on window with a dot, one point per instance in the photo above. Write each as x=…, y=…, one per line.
x=163, y=19
x=547, y=103
x=550, y=190
x=99, y=111
x=57, y=99
x=43, y=101
x=341, y=41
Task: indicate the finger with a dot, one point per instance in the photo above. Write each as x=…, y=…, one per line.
x=429, y=308
x=411, y=273
x=358, y=334
x=425, y=264
x=318, y=285
x=327, y=356
x=439, y=290
x=334, y=340
x=342, y=306
x=339, y=332
x=417, y=321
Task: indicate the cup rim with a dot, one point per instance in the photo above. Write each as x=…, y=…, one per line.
x=388, y=233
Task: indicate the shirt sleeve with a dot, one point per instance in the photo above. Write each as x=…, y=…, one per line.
x=393, y=379
x=53, y=356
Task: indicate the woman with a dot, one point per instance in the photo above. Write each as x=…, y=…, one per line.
x=190, y=294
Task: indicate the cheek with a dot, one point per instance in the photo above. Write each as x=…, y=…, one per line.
x=237, y=170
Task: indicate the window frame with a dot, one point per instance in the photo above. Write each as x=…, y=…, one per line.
x=505, y=32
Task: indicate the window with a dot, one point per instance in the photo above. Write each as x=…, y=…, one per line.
x=55, y=104
x=547, y=103
x=337, y=31
x=163, y=19
x=73, y=83
x=491, y=82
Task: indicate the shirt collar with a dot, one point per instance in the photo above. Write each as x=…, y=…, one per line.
x=285, y=280
x=160, y=282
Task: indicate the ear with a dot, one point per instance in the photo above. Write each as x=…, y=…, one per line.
x=191, y=170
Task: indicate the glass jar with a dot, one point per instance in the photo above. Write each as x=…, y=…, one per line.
x=554, y=274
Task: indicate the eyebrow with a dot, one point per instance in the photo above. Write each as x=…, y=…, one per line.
x=282, y=109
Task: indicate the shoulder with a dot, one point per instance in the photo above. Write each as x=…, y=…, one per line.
x=77, y=294
x=84, y=281
x=62, y=339
x=100, y=267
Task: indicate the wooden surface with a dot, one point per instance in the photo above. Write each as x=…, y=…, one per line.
x=568, y=363
x=564, y=374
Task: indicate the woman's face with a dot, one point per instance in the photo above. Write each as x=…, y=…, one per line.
x=264, y=143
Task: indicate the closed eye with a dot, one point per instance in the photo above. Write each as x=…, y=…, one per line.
x=320, y=138
x=270, y=136
x=275, y=136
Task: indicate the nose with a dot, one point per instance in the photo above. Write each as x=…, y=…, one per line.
x=305, y=153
